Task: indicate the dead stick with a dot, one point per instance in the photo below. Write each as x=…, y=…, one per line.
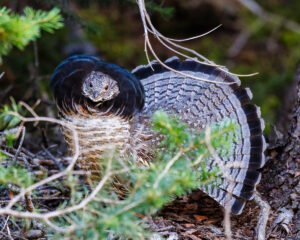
x=263, y=217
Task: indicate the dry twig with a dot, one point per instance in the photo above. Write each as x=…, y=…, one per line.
x=263, y=217
x=172, y=45
x=224, y=170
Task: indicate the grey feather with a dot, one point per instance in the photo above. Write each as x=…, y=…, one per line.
x=200, y=103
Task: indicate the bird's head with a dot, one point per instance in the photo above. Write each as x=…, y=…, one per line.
x=99, y=87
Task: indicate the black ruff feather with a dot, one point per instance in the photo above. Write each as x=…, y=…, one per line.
x=68, y=78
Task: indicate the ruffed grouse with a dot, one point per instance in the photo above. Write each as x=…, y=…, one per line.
x=111, y=107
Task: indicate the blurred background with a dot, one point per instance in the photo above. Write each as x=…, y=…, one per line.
x=261, y=36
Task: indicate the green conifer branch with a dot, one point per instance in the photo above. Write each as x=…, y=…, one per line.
x=178, y=168
x=173, y=173
x=18, y=30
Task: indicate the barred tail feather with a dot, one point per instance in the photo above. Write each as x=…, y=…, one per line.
x=200, y=103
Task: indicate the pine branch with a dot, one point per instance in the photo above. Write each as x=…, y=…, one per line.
x=19, y=30
x=100, y=213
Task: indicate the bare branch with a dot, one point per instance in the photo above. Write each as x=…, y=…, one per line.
x=195, y=37
x=223, y=168
x=167, y=168
x=263, y=217
x=23, y=130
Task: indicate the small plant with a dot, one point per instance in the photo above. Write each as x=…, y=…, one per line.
x=11, y=173
x=8, y=121
x=18, y=30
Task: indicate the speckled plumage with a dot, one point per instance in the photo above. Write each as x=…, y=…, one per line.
x=123, y=122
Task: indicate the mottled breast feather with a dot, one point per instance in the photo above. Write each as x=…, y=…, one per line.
x=200, y=103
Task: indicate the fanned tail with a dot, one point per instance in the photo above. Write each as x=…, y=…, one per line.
x=200, y=103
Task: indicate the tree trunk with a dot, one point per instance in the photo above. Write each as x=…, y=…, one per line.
x=280, y=184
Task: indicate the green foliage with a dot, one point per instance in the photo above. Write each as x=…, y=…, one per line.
x=172, y=173
x=178, y=167
x=19, y=30
x=151, y=6
x=2, y=157
x=8, y=120
x=173, y=128
x=179, y=135
x=166, y=12
x=10, y=138
x=12, y=174
x=15, y=175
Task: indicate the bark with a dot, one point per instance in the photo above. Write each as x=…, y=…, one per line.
x=280, y=183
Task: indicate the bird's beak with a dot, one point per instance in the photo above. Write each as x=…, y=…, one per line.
x=96, y=94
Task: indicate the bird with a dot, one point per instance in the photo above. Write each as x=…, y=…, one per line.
x=111, y=107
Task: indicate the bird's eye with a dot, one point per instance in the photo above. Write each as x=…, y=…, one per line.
x=105, y=87
x=91, y=85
